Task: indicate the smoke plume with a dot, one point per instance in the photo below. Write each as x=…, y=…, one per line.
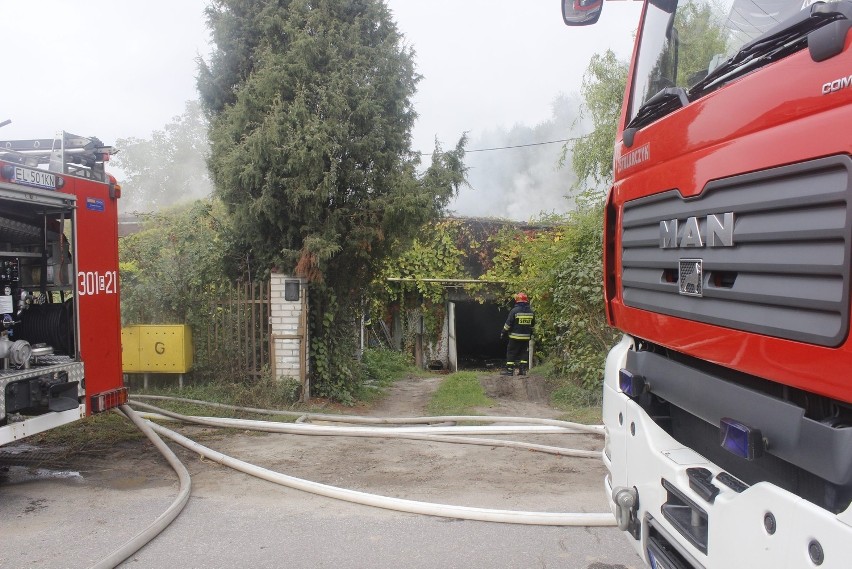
x=523, y=182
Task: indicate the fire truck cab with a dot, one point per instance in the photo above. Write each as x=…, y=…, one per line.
x=727, y=261
x=60, y=335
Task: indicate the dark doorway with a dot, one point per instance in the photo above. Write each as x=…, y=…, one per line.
x=478, y=327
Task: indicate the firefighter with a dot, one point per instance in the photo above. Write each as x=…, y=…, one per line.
x=518, y=329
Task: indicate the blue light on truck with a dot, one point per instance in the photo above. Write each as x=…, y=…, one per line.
x=631, y=384
x=657, y=562
x=740, y=439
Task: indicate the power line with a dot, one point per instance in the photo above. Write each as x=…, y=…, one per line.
x=513, y=146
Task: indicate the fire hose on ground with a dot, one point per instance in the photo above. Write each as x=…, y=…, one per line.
x=449, y=434
x=162, y=522
x=354, y=419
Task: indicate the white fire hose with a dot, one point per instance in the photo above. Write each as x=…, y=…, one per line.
x=431, y=433
x=397, y=504
x=592, y=429
x=167, y=517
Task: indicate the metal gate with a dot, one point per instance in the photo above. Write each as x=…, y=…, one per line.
x=238, y=332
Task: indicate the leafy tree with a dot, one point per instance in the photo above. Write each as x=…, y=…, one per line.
x=311, y=117
x=237, y=29
x=603, y=91
x=178, y=254
x=168, y=169
x=434, y=254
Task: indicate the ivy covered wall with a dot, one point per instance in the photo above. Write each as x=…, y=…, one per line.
x=556, y=260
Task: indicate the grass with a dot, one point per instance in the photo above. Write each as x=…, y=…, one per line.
x=91, y=435
x=578, y=404
x=100, y=432
x=583, y=415
x=458, y=395
x=260, y=394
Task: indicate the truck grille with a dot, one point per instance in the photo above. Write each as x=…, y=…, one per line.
x=786, y=273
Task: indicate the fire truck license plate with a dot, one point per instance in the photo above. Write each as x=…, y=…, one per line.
x=35, y=178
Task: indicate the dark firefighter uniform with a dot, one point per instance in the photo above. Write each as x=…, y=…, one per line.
x=518, y=328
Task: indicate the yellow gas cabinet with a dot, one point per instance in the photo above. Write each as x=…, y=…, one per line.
x=130, y=349
x=157, y=348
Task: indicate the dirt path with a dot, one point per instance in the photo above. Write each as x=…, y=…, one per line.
x=512, y=396
x=517, y=397
x=481, y=476
x=407, y=397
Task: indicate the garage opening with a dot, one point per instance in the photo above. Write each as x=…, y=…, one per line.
x=477, y=334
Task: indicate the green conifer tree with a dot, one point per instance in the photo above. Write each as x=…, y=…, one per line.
x=311, y=112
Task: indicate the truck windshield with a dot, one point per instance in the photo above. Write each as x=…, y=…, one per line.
x=685, y=40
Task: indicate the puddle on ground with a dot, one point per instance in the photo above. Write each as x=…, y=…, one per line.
x=18, y=449
x=21, y=474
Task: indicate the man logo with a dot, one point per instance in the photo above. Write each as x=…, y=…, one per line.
x=716, y=231
x=690, y=277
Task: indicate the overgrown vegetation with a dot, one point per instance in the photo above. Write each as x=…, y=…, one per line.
x=458, y=394
x=556, y=260
x=378, y=369
x=174, y=271
x=262, y=393
x=447, y=249
x=381, y=368
x=578, y=403
x=583, y=336
x=561, y=270
x=169, y=268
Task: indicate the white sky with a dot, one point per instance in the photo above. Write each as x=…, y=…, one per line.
x=121, y=68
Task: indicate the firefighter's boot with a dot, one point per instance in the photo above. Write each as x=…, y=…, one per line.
x=522, y=369
x=510, y=370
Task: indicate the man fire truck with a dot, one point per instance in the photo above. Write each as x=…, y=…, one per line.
x=727, y=262
x=60, y=335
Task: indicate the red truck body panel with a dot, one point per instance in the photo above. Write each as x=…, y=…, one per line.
x=692, y=147
x=97, y=285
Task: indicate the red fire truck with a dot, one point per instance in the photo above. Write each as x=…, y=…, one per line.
x=727, y=262
x=60, y=330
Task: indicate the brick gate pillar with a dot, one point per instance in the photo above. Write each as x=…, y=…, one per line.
x=289, y=322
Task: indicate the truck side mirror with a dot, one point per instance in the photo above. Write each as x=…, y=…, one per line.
x=581, y=12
